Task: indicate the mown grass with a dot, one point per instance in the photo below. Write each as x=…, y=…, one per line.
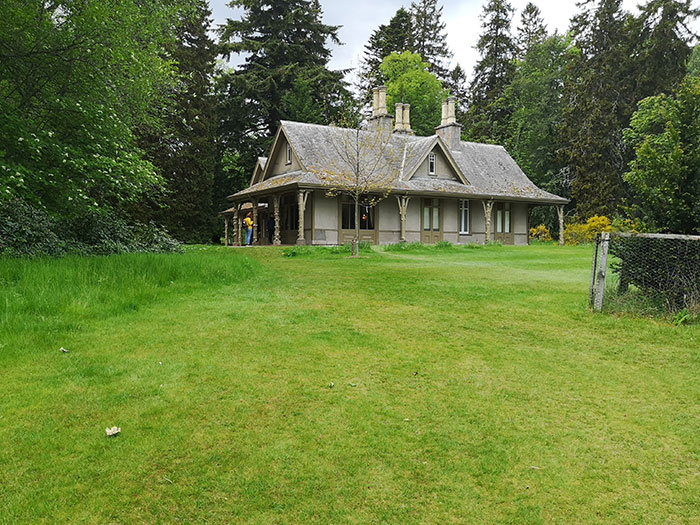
x=468, y=385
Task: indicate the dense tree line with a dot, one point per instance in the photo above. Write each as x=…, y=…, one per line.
x=116, y=114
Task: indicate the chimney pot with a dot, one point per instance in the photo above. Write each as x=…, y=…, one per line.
x=407, y=118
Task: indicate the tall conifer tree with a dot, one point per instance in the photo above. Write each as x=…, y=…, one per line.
x=488, y=114
x=532, y=29
x=394, y=37
x=429, y=39
x=285, y=44
x=665, y=39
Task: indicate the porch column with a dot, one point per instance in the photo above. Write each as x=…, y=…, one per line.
x=227, y=219
x=276, y=239
x=488, y=207
x=560, y=212
x=403, y=206
x=255, y=221
x=236, y=226
x=301, y=196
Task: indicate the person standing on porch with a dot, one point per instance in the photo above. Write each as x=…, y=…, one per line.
x=248, y=222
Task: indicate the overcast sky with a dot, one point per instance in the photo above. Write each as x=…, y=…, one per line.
x=359, y=18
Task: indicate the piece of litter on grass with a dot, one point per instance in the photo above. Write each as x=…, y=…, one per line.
x=406, y=419
x=331, y=384
x=353, y=384
x=64, y=350
x=160, y=362
x=111, y=432
x=536, y=468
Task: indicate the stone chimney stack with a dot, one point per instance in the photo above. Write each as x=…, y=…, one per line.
x=398, y=120
x=380, y=119
x=449, y=130
x=403, y=119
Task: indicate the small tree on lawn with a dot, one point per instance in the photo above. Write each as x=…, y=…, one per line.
x=364, y=167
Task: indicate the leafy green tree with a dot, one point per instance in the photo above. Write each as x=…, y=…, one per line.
x=78, y=81
x=409, y=81
x=532, y=29
x=536, y=97
x=489, y=113
x=429, y=38
x=185, y=151
x=394, y=37
x=665, y=172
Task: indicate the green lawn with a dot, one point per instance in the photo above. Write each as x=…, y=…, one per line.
x=469, y=385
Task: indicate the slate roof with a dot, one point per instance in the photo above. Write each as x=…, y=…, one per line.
x=489, y=170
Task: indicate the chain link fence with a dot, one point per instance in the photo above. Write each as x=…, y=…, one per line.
x=646, y=272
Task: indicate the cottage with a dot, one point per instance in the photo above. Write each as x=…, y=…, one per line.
x=439, y=188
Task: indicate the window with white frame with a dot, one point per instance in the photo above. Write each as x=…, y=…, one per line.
x=289, y=154
x=431, y=164
x=463, y=216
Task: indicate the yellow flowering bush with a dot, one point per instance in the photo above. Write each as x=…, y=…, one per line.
x=540, y=233
x=577, y=233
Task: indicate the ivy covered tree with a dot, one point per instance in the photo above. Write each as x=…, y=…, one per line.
x=599, y=101
x=665, y=172
x=394, y=37
x=532, y=29
x=488, y=114
x=429, y=38
x=409, y=81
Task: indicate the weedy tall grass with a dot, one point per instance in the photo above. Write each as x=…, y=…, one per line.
x=50, y=295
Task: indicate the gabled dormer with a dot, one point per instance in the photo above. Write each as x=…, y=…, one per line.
x=437, y=163
x=283, y=159
x=258, y=171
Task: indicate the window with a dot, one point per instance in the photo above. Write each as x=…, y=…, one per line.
x=348, y=216
x=289, y=154
x=463, y=216
x=431, y=164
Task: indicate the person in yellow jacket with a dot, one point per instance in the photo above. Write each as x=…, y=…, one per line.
x=248, y=223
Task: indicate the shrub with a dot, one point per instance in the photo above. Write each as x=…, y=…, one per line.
x=540, y=233
x=577, y=233
x=26, y=231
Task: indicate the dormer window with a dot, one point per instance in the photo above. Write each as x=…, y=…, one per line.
x=289, y=154
x=431, y=164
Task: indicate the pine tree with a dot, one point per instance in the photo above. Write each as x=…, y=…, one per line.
x=429, y=39
x=283, y=41
x=185, y=152
x=395, y=37
x=456, y=83
x=488, y=114
x=599, y=101
x=532, y=29
x=665, y=44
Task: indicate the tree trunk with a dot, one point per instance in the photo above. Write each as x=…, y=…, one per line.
x=356, y=244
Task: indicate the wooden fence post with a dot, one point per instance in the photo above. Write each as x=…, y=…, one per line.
x=594, y=267
x=602, y=268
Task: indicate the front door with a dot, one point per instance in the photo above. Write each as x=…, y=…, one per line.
x=504, y=224
x=431, y=227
